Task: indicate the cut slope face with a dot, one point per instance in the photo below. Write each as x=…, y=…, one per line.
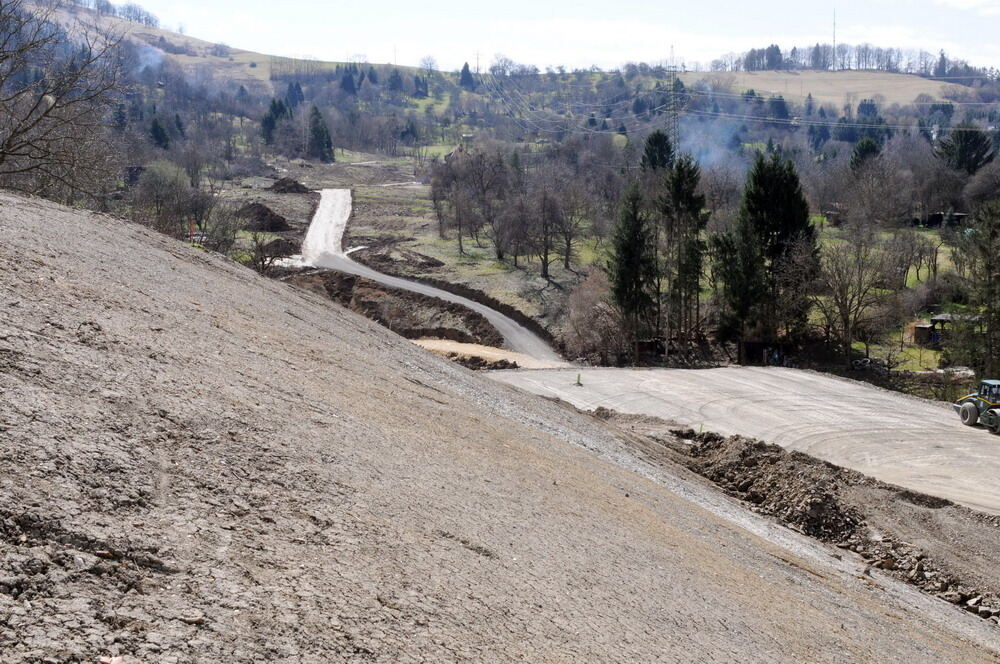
x=200, y=465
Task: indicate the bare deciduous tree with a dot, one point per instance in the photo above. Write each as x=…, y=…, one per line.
x=57, y=90
x=850, y=290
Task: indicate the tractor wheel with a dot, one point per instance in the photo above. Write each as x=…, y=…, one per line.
x=969, y=414
x=992, y=421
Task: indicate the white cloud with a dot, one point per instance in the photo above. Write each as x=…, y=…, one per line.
x=984, y=7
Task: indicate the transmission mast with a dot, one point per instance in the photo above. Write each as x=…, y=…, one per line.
x=834, y=39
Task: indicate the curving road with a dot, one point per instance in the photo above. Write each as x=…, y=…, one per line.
x=323, y=248
x=910, y=442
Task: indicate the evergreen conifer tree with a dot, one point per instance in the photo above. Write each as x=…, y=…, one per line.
x=320, y=144
x=347, y=83
x=968, y=148
x=294, y=96
x=158, y=133
x=775, y=213
x=395, y=81
x=632, y=264
x=465, y=79
x=275, y=113
x=864, y=151
x=658, y=153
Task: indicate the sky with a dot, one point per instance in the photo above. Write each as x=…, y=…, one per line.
x=579, y=33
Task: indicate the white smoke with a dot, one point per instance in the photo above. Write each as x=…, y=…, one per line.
x=149, y=56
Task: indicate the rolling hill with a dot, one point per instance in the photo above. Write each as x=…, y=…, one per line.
x=238, y=65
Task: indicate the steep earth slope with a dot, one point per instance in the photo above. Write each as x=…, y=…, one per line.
x=200, y=465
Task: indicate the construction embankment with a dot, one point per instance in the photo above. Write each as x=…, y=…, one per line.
x=203, y=465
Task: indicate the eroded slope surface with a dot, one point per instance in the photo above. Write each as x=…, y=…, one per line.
x=200, y=465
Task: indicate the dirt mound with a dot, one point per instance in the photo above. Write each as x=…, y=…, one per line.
x=856, y=512
x=480, y=363
x=798, y=489
x=385, y=255
x=289, y=186
x=262, y=218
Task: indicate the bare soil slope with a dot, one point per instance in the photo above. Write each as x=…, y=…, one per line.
x=200, y=465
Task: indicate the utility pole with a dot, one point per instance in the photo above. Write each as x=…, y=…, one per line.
x=834, y=39
x=477, y=63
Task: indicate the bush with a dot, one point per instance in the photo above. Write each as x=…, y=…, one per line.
x=594, y=328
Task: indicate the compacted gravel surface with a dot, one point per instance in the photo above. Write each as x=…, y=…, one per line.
x=911, y=442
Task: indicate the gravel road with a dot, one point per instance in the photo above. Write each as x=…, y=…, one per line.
x=911, y=442
x=323, y=248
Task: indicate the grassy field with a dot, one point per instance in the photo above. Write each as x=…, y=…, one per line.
x=827, y=86
x=910, y=357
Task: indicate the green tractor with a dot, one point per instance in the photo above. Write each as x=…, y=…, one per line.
x=983, y=407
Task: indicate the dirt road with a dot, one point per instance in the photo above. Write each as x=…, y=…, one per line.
x=322, y=248
x=203, y=465
x=911, y=442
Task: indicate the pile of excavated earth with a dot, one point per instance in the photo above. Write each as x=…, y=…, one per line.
x=945, y=549
x=203, y=465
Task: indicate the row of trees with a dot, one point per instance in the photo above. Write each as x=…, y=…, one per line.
x=658, y=252
x=129, y=11
x=861, y=57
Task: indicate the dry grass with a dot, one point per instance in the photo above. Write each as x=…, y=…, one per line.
x=829, y=87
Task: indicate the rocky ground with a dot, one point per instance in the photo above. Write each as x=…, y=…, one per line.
x=202, y=465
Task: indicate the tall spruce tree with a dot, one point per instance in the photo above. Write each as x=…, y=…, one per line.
x=658, y=152
x=465, y=79
x=739, y=275
x=395, y=81
x=158, y=133
x=347, y=83
x=277, y=112
x=320, y=143
x=682, y=217
x=865, y=150
x=968, y=148
x=773, y=234
x=632, y=264
x=294, y=95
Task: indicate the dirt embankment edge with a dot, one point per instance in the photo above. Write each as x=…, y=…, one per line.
x=470, y=293
x=944, y=549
